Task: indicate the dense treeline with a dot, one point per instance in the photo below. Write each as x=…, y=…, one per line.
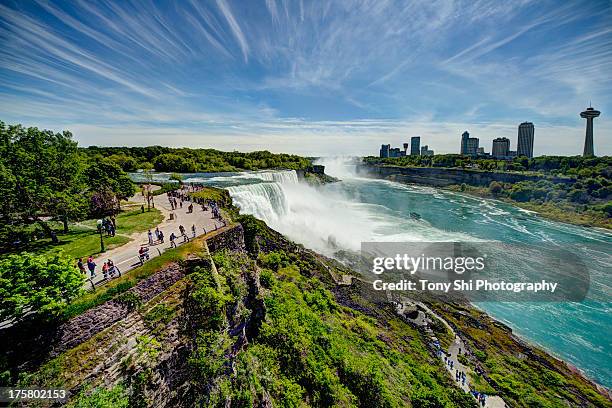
x=571, y=166
x=586, y=201
x=44, y=177
x=184, y=160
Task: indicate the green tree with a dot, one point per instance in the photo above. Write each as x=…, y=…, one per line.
x=41, y=176
x=176, y=177
x=108, y=184
x=127, y=163
x=146, y=188
x=174, y=162
x=37, y=283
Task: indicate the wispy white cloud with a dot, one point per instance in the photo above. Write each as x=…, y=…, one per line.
x=236, y=30
x=307, y=73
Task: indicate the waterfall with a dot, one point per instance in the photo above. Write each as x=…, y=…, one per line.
x=324, y=221
x=266, y=200
x=283, y=176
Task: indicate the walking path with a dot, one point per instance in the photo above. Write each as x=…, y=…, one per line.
x=450, y=357
x=126, y=256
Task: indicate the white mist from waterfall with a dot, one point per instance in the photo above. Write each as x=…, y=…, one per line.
x=341, y=167
x=325, y=218
x=306, y=215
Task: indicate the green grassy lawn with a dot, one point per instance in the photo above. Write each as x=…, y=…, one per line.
x=211, y=193
x=83, y=239
x=132, y=221
x=82, y=243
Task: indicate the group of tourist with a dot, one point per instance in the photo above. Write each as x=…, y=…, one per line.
x=154, y=237
x=109, y=225
x=460, y=375
x=159, y=237
x=177, y=197
x=481, y=397
x=109, y=269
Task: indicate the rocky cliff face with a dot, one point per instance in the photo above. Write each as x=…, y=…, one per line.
x=442, y=177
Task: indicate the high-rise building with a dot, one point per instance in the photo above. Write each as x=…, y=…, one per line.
x=425, y=151
x=501, y=147
x=394, y=152
x=415, y=143
x=464, y=138
x=384, y=150
x=471, y=148
x=525, y=139
x=469, y=145
x=589, y=114
x=406, y=146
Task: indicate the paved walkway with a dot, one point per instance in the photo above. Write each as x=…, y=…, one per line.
x=126, y=256
x=452, y=355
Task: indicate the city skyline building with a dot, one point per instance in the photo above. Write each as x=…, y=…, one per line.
x=384, y=150
x=415, y=143
x=501, y=147
x=469, y=145
x=464, y=138
x=589, y=114
x=425, y=151
x=524, y=146
x=472, y=146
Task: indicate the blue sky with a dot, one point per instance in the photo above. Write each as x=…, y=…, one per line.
x=309, y=77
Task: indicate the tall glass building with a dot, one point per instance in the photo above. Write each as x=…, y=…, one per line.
x=525, y=139
x=415, y=145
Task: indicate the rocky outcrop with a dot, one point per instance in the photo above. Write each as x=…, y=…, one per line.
x=230, y=238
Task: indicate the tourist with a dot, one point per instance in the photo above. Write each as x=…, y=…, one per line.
x=105, y=270
x=112, y=268
x=161, y=237
x=150, y=234
x=143, y=254
x=193, y=230
x=91, y=265
x=172, y=238
x=81, y=266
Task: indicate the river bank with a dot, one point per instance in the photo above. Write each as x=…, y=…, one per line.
x=479, y=183
x=546, y=210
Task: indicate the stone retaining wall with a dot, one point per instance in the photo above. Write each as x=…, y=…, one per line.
x=231, y=239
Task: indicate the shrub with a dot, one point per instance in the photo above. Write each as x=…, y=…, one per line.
x=495, y=188
x=37, y=283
